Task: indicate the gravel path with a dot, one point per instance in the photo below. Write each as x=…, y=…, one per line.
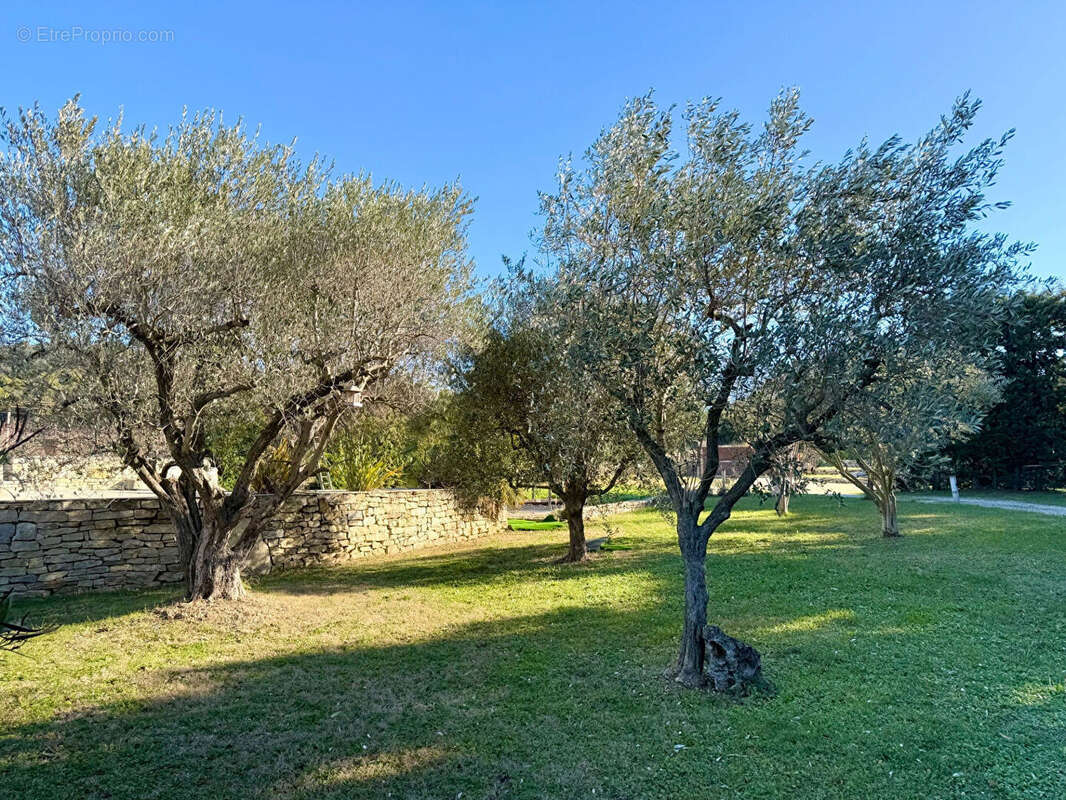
x=1012, y=505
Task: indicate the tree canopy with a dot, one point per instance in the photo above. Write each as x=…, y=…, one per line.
x=526, y=393
x=735, y=281
x=893, y=428
x=201, y=273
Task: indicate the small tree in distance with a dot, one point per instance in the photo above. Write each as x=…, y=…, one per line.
x=886, y=432
x=201, y=275
x=733, y=283
x=525, y=394
x=788, y=472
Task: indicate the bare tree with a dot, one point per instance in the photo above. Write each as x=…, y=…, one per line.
x=735, y=284
x=201, y=274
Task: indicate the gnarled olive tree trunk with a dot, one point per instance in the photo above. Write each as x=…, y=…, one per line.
x=574, y=510
x=214, y=571
x=784, y=494
x=216, y=576
x=211, y=555
x=886, y=504
x=218, y=530
x=693, y=534
x=575, y=492
x=688, y=669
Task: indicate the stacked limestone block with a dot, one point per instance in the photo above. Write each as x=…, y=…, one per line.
x=327, y=527
x=49, y=546
x=52, y=476
x=71, y=545
x=607, y=509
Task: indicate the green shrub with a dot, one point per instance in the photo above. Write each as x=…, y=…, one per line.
x=368, y=454
x=275, y=469
x=373, y=450
x=352, y=469
x=229, y=441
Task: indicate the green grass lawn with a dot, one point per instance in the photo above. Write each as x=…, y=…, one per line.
x=534, y=525
x=928, y=667
x=617, y=495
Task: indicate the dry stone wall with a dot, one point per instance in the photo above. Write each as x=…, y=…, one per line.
x=323, y=527
x=49, y=546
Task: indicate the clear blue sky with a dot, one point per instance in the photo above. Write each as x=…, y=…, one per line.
x=495, y=93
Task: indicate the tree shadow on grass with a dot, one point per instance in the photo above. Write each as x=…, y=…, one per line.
x=560, y=703
x=461, y=565
x=812, y=531
x=466, y=567
x=549, y=705
x=340, y=722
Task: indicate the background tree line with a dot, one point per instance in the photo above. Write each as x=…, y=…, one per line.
x=1021, y=443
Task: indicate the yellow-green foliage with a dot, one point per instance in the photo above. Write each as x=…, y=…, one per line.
x=353, y=465
x=274, y=470
x=357, y=475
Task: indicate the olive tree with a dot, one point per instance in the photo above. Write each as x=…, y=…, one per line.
x=526, y=387
x=201, y=274
x=788, y=471
x=889, y=430
x=735, y=282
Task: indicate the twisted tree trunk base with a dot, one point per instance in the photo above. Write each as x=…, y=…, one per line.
x=781, y=505
x=578, y=550
x=732, y=665
x=889, y=519
x=729, y=665
x=571, y=558
x=216, y=579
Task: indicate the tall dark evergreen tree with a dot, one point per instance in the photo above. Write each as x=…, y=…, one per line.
x=1022, y=444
